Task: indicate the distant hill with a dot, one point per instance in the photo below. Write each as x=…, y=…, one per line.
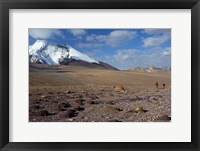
x=150, y=69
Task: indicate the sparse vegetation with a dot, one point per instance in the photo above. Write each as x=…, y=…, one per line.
x=80, y=94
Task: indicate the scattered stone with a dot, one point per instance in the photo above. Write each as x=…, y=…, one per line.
x=115, y=107
x=68, y=91
x=139, y=109
x=119, y=109
x=66, y=114
x=133, y=98
x=92, y=102
x=102, y=90
x=42, y=113
x=79, y=108
x=155, y=98
x=94, y=97
x=114, y=120
x=79, y=96
x=70, y=119
x=54, y=107
x=80, y=101
x=31, y=113
x=35, y=107
x=65, y=105
x=120, y=88
x=138, y=98
x=163, y=118
x=85, y=118
x=73, y=113
x=111, y=102
x=43, y=96
x=36, y=102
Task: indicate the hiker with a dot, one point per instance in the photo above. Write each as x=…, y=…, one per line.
x=157, y=85
x=163, y=85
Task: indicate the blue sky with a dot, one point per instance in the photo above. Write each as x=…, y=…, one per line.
x=122, y=48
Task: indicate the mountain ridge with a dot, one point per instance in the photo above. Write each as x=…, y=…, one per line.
x=151, y=69
x=43, y=52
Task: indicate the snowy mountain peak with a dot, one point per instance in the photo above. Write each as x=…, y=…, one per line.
x=38, y=45
x=54, y=54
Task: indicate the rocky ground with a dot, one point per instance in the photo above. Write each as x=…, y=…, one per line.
x=66, y=99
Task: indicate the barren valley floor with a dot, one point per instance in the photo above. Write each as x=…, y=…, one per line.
x=80, y=94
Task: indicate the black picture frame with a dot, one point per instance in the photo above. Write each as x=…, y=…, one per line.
x=5, y=5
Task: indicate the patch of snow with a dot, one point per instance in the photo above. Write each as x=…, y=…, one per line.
x=80, y=56
x=53, y=54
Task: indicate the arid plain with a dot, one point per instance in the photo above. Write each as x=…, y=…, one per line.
x=80, y=94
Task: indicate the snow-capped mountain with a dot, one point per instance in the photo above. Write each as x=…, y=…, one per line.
x=53, y=54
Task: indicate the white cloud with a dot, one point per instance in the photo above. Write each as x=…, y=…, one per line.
x=77, y=32
x=166, y=52
x=91, y=37
x=89, y=45
x=115, y=37
x=156, y=41
x=125, y=54
x=44, y=33
x=156, y=31
x=95, y=53
x=130, y=58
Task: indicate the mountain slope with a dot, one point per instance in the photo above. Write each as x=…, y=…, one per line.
x=100, y=65
x=43, y=52
x=53, y=54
